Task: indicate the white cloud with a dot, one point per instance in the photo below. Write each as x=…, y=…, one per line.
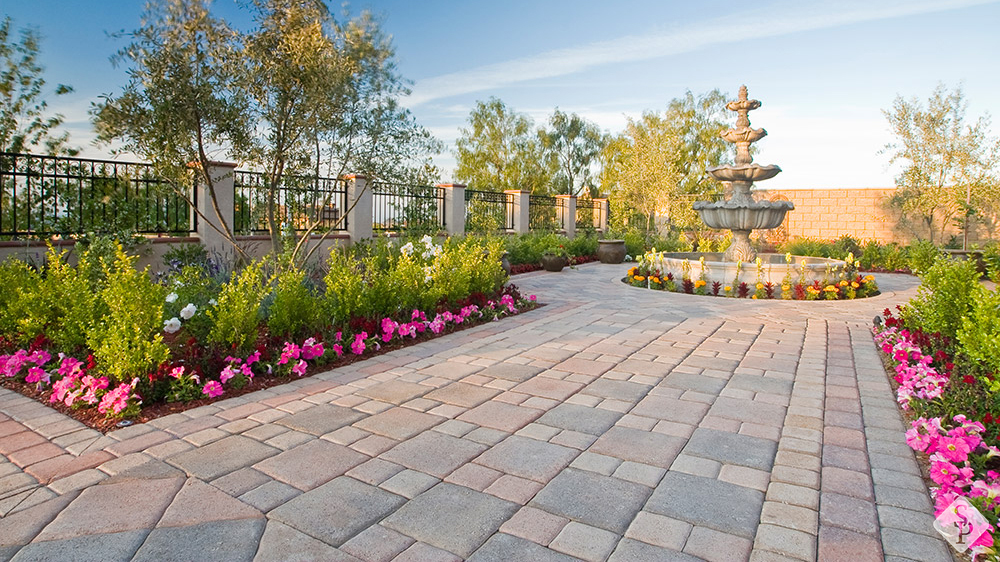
x=781, y=19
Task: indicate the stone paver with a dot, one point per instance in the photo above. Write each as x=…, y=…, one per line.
x=614, y=424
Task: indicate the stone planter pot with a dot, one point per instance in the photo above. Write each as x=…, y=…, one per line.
x=552, y=262
x=611, y=251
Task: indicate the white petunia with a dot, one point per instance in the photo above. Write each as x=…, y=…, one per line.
x=172, y=297
x=188, y=311
x=213, y=302
x=406, y=249
x=172, y=325
x=427, y=240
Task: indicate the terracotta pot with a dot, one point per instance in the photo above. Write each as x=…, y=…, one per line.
x=552, y=262
x=611, y=251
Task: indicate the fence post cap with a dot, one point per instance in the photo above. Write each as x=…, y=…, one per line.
x=565, y=196
x=515, y=191
x=355, y=177
x=450, y=185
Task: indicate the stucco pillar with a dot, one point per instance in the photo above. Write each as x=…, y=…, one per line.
x=454, y=207
x=521, y=216
x=359, y=203
x=208, y=219
x=601, y=214
x=566, y=214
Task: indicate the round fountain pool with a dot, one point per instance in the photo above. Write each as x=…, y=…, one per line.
x=773, y=268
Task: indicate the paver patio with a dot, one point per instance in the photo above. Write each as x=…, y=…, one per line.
x=613, y=424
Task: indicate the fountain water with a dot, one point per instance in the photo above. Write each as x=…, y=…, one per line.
x=741, y=214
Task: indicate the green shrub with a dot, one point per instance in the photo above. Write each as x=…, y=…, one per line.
x=893, y=257
x=345, y=286
x=582, y=245
x=947, y=293
x=237, y=315
x=921, y=255
x=294, y=310
x=70, y=300
x=192, y=287
x=991, y=256
x=845, y=245
x=127, y=339
x=808, y=247
x=20, y=287
x=979, y=335
x=182, y=255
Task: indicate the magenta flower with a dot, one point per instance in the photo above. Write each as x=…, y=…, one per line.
x=358, y=347
x=117, y=399
x=37, y=375
x=177, y=372
x=70, y=367
x=291, y=351
x=227, y=374
x=212, y=389
x=954, y=449
x=300, y=368
x=388, y=326
x=338, y=349
x=311, y=350
x=338, y=336
x=253, y=358
x=40, y=357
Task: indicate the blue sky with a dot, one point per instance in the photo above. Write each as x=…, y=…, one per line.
x=823, y=70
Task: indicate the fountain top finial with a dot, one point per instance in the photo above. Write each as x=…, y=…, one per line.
x=743, y=135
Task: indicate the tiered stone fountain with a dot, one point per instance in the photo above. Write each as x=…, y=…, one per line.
x=742, y=214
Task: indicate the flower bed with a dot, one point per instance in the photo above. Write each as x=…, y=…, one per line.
x=111, y=342
x=941, y=351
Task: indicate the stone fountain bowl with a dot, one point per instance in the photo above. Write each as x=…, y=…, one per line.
x=774, y=268
x=744, y=172
x=726, y=215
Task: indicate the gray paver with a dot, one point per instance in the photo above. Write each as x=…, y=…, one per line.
x=86, y=548
x=707, y=502
x=508, y=548
x=600, y=501
x=630, y=550
x=433, y=452
x=337, y=510
x=656, y=449
x=321, y=419
x=281, y=543
x=222, y=457
x=453, y=518
x=594, y=421
x=231, y=540
x=527, y=458
x=732, y=448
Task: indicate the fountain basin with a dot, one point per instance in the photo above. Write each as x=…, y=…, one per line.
x=774, y=268
x=744, y=172
x=731, y=215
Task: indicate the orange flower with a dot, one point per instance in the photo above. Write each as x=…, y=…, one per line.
x=640, y=277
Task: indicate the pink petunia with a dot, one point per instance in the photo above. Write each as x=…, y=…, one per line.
x=40, y=357
x=290, y=352
x=311, y=350
x=227, y=374
x=212, y=389
x=300, y=368
x=358, y=347
x=36, y=375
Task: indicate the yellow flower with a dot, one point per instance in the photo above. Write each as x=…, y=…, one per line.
x=786, y=287
x=640, y=277
x=699, y=283
x=855, y=284
x=754, y=297
x=830, y=289
x=654, y=279
x=633, y=271
x=812, y=289
x=869, y=278
x=760, y=286
x=728, y=288
x=843, y=283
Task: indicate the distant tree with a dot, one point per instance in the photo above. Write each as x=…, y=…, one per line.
x=182, y=103
x=698, y=122
x=500, y=150
x=573, y=145
x=25, y=124
x=949, y=166
x=640, y=170
x=301, y=95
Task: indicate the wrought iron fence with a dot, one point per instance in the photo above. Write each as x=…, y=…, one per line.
x=407, y=207
x=43, y=196
x=488, y=211
x=545, y=213
x=587, y=210
x=300, y=201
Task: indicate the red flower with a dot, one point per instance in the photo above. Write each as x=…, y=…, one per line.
x=967, y=379
x=988, y=418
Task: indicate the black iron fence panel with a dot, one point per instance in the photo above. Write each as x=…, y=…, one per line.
x=44, y=196
x=488, y=211
x=300, y=203
x=588, y=213
x=545, y=212
x=400, y=207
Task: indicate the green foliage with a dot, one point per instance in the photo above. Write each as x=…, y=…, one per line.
x=582, y=245
x=192, y=286
x=238, y=313
x=24, y=125
x=19, y=293
x=182, y=255
x=947, y=294
x=638, y=241
x=921, y=255
x=949, y=167
x=500, y=150
x=807, y=247
x=572, y=144
x=345, y=286
x=295, y=310
x=979, y=335
x=69, y=299
x=991, y=257
x=127, y=340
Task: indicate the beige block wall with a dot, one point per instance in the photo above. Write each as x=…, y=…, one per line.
x=831, y=213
